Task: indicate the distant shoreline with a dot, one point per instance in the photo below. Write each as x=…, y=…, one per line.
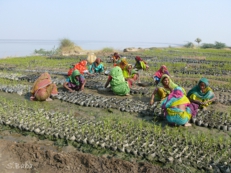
x=21, y=47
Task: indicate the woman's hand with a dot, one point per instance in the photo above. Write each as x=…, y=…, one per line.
x=151, y=102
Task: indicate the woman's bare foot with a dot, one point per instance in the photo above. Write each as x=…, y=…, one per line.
x=188, y=125
x=48, y=99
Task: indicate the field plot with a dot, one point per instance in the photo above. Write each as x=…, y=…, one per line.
x=124, y=127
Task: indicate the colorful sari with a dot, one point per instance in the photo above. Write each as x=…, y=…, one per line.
x=43, y=88
x=130, y=75
x=159, y=73
x=74, y=82
x=162, y=92
x=196, y=94
x=96, y=67
x=140, y=63
x=118, y=84
x=172, y=112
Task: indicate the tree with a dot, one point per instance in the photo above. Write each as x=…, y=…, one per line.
x=198, y=40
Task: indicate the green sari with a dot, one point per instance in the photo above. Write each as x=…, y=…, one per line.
x=128, y=75
x=196, y=94
x=118, y=84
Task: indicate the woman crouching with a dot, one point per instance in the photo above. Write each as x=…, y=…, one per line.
x=43, y=88
x=75, y=82
x=177, y=107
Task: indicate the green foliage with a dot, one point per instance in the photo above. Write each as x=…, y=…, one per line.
x=207, y=45
x=107, y=50
x=46, y=52
x=219, y=45
x=189, y=45
x=66, y=43
x=198, y=40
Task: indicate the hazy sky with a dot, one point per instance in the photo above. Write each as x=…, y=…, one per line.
x=161, y=21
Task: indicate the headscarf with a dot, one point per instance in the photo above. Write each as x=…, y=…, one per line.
x=97, y=61
x=116, y=55
x=176, y=97
x=123, y=63
x=117, y=76
x=137, y=58
x=81, y=66
x=43, y=81
x=91, y=58
x=159, y=72
x=73, y=77
x=71, y=69
x=208, y=94
x=171, y=83
x=118, y=84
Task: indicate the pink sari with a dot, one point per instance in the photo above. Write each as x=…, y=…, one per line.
x=43, y=88
x=160, y=72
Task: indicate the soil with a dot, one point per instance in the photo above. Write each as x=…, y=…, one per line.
x=34, y=157
x=28, y=154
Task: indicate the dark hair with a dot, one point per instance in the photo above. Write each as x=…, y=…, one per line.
x=164, y=79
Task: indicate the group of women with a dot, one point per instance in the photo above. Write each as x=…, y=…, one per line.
x=177, y=105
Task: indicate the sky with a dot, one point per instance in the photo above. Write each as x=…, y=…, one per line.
x=149, y=21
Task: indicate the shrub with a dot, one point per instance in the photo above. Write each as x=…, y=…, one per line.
x=66, y=43
x=107, y=50
x=189, y=45
x=207, y=45
x=219, y=45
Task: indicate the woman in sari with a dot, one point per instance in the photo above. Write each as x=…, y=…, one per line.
x=97, y=66
x=75, y=82
x=130, y=74
x=118, y=84
x=81, y=67
x=116, y=59
x=140, y=64
x=159, y=73
x=176, y=107
x=201, y=95
x=123, y=63
x=163, y=89
x=43, y=88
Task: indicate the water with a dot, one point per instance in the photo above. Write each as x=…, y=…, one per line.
x=20, y=47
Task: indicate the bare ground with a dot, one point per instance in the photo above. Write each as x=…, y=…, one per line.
x=32, y=157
